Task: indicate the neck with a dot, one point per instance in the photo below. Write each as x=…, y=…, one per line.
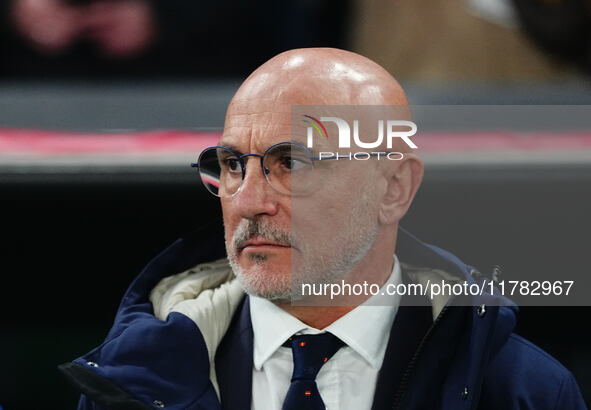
x=317, y=317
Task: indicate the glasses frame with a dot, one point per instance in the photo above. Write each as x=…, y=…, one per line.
x=266, y=171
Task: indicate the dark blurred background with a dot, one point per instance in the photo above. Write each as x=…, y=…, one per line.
x=76, y=231
x=436, y=41
x=148, y=39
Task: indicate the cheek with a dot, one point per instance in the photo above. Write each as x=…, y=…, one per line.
x=230, y=219
x=315, y=219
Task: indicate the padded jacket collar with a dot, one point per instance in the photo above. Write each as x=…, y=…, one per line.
x=147, y=362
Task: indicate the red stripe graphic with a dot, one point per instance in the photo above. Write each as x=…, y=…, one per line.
x=38, y=142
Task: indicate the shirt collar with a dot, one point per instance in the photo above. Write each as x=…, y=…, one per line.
x=365, y=329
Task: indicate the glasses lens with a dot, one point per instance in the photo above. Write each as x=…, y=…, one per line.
x=288, y=168
x=220, y=171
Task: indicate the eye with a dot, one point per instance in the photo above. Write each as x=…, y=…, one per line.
x=292, y=163
x=232, y=164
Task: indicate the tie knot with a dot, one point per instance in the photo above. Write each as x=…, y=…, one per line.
x=310, y=352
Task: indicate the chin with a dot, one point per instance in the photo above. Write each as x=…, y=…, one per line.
x=265, y=264
x=267, y=280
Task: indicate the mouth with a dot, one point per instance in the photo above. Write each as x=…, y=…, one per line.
x=259, y=244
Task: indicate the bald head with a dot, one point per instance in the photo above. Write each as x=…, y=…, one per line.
x=321, y=76
x=310, y=77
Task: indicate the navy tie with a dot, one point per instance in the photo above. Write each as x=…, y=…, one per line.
x=310, y=352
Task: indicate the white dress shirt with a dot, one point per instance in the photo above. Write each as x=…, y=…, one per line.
x=348, y=380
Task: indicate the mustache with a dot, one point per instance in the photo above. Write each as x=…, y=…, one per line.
x=248, y=229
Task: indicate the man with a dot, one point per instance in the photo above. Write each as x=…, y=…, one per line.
x=186, y=337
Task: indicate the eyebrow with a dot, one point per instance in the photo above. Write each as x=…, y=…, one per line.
x=283, y=148
x=232, y=147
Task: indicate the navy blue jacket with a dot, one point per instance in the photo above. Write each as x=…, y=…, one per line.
x=468, y=358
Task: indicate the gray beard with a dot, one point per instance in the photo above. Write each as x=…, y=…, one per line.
x=349, y=249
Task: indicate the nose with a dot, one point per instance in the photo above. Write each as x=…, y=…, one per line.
x=256, y=197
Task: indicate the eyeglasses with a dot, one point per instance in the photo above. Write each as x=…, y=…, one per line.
x=287, y=166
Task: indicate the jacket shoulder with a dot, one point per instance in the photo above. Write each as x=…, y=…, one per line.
x=523, y=376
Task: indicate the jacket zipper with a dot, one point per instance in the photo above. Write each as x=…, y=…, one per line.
x=400, y=393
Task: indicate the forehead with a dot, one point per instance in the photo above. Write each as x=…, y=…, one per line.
x=256, y=124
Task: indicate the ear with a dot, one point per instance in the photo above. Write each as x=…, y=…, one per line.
x=403, y=182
